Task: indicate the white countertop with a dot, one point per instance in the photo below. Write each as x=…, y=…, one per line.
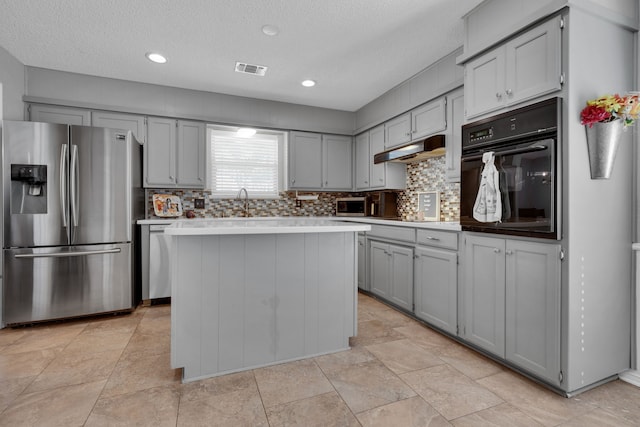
x=438, y=225
x=234, y=226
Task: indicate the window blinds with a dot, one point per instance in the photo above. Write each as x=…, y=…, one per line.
x=250, y=163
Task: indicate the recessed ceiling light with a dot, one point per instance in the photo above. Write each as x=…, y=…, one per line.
x=245, y=132
x=156, y=57
x=270, y=30
x=308, y=83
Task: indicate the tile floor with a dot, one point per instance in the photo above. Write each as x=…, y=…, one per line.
x=115, y=372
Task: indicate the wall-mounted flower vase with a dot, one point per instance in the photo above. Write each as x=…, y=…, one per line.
x=602, y=141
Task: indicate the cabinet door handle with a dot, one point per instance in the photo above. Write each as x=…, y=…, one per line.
x=498, y=95
x=508, y=252
x=496, y=250
x=432, y=238
x=171, y=177
x=293, y=181
x=508, y=92
x=366, y=182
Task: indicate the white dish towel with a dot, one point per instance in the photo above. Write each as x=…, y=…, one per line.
x=488, y=205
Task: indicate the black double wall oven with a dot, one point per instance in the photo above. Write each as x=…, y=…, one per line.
x=526, y=148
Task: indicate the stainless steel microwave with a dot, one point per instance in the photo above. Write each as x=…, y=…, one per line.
x=352, y=206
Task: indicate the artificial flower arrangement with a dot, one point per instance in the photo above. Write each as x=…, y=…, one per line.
x=611, y=107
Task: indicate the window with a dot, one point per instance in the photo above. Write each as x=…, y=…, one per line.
x=255, y=163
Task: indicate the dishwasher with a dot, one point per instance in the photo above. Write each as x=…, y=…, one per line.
x=159, y=263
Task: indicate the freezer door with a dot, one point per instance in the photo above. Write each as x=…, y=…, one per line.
x=100, y=186
x=35, y=207
x=54, y=283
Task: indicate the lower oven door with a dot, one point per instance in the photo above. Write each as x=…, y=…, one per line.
x=528, y=189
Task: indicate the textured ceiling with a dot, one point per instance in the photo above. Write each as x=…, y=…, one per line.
x=355, y=49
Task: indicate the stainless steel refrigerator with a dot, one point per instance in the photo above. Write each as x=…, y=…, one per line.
x=71, y=196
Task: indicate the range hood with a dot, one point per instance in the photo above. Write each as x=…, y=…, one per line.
x=414, y=152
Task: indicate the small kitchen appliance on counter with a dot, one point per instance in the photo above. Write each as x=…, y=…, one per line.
x=384, y=204
x=352, y=206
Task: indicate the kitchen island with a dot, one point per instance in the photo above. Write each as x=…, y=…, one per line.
x=256, y=292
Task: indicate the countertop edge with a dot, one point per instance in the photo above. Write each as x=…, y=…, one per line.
x=437, y=225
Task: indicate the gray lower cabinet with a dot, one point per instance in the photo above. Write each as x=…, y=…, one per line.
x=436, y=282
x=512, y=302
x=362, y=262
x=391, y=273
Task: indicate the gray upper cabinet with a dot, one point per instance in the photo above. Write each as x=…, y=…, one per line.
x=175, y=154
x=525, y=67
x=422, y=121
x=305, y=160
x=337, y=162
x=455, y=113
x=383, y=175
x=428, y=119
x=362, y=161
x=512, y=302
x=397, y=131
x=160, y=153
x=136, y=124
x=370, y=176
x=320, y=162
x=191, y=164
x=60, y=115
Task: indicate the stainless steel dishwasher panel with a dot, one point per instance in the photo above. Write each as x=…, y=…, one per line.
x=159, y=264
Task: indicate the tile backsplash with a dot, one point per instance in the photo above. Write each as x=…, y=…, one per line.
x=428, y=175
x=286, y=205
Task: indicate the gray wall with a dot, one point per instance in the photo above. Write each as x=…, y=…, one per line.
x=598, y=215
x=12, y=81
x=80, y=90
x=439, y=78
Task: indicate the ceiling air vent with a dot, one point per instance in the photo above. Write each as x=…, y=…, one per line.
x=257, y=70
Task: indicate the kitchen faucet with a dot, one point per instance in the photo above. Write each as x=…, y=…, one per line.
x=246, y=200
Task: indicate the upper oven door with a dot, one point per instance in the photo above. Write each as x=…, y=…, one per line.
x=527, y=184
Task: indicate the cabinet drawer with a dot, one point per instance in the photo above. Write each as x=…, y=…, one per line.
x=405, y=234
x=437, y=238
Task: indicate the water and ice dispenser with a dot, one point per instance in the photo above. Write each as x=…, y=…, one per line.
x=28, y=189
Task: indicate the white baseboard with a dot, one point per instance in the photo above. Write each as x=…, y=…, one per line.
x=631, y=376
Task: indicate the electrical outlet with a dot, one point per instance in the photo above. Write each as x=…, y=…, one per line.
x=198, y=203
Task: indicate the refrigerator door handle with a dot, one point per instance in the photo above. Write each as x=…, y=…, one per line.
x=69, y=254
x=64, y=163
x=75, y=194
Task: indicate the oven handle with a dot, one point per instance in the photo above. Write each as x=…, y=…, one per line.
x=530, y=149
